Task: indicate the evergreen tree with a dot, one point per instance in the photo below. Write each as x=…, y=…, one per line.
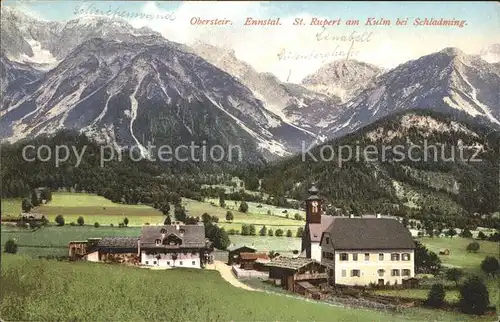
x=436, y=296
x=168, y=221
x=80, y=221
x=474, y=296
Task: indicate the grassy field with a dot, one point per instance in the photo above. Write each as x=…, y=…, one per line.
x=264, y=243
x=11, y=207
x=459, y=257
x=451, y=296
x=94, y=208
x=51, y=290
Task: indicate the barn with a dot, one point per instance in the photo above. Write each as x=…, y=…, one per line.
x=288, y=272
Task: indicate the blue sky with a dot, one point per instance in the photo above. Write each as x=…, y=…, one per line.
x=260, y=46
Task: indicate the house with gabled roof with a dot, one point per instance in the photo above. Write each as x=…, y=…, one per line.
x=357, y=250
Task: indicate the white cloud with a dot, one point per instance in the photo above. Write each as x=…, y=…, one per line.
x=260, y=45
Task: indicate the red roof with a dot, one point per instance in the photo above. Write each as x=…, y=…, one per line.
x=253, y=256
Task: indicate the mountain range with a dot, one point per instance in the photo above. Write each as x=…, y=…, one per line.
x=127, y=86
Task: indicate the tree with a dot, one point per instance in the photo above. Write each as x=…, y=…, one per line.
x=473, y=247
x=125, y=221
x=263, y=231
x=436, y=295
x=251, y=230
x=229, y=216
x=96, y=225
x=243, y=207
x=481, y=236
x=80, y=221
x=214, y=219
x=451, y=232
x=474, y=296
x=34, y=199
x=270, y=233
x=222, y=199
x=245, y=230
x=46, y=194
x=164, y=207
x=180, y=213
x=490, y=265
x=221, y=239
x=26, y=205
x=10, y=246
x=465, y=233
x=454, y=274
x=168, y=221
x=205, y=218
x=300, y=231
x=289, y=233
x=59, y=220
x=279, y=232
x=426, y=262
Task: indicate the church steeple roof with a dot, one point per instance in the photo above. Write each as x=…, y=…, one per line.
x=313, y=193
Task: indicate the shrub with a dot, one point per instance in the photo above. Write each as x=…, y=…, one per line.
x=80, y=221
x=289, y=233
x=111, y=225
x=270, y=233
x=436, y=296
x=252, y=230
x=231, y=231
x=474, y=296
x=243, y=207
x=125, y=221
x=72, y=223
x=229, y=216
x=490, y=265
x=454, y=274
x=279, y=232
x=96, y=225
x=481, y=235
x=263, y=231
x=26, y=205
x=59, y=220
x=121, y=225
x=10, y=246
x=300, y=232
x=473, y=247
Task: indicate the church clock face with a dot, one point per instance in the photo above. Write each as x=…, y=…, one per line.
x=314, y=206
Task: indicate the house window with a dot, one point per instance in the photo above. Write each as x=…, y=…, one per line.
x=158, y=242
x=185, y=253
x=406, y=257
x=356, y=273
x=381, y=272
x=168, y=262
x=323, y=254
x=180, y=263
x=193, y=252
x=344, y=273
x=154, y=262
x=406, y=272
x=330, y=256
x=380, y=257
x=395, y=272
x=147, y=262
x=327, y=240
x=367, y=256
x=354, y=257
x=394, y=257
x=193, y=263
x=344, y=256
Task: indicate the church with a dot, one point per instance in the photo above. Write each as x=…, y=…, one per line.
x=356, y=250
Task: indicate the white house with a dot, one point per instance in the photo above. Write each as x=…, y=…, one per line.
x=357, y=250
x=174, y=246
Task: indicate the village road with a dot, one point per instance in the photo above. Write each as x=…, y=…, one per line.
x=227, y=274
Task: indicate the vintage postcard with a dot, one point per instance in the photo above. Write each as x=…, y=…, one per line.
x=250, y=161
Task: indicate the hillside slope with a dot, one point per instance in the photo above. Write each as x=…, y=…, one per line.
x=425, y=178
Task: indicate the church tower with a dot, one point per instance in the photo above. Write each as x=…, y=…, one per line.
x=313, y=207
x=313, y=228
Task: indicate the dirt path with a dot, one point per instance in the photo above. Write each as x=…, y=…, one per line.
x=227, y=274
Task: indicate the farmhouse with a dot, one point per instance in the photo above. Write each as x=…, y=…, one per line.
x=356, y=250
x=175, y=245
